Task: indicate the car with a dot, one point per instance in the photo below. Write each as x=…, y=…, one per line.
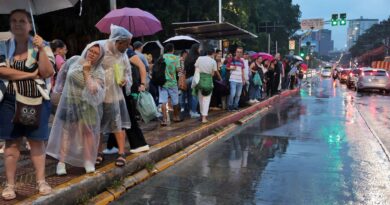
x=326, y=72
x=343, y=75
x=353, y=77
x=373, y=79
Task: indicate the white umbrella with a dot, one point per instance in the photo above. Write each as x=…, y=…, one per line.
x=181, y=42
x=299, y=58
x=35, y=6
x=153, y=47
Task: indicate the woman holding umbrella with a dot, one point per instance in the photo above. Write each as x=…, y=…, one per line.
x=27, y=58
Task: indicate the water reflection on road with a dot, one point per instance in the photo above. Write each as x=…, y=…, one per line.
x=311, y=149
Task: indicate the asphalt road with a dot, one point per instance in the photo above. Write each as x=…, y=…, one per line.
x=321, y=147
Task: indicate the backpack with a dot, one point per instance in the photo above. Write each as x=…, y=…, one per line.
x=158, y=72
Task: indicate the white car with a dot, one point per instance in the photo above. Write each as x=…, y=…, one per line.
x=326, y=72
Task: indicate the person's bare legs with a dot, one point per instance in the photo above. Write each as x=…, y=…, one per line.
x=164, y=112
x=121, y=140
x=38, y=157
x=11, y=157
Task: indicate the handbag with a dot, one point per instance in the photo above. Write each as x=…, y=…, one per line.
x=182, y=82
x=27, y=109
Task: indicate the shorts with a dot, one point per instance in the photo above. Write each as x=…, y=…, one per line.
x=11, y=131
x=164, y=93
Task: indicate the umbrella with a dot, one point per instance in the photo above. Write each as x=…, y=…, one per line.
x=153, y=47
x=35, y=6
x=181, y=42
x=304, y=66
x=299, y=58
x=265, y=56
x=293, y=58
x=135, y=20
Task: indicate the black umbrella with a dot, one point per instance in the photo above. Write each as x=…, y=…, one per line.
x=181, y=42
x=153, y=47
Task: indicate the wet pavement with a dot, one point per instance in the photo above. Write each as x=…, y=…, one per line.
x=315, y=148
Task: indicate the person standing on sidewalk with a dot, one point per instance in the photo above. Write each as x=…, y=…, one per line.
x=237, y=79
x=24, y=59
x=117, y=75
x=256, y=81
x=189, y=67
x=75, y=134
x=170, y=89
x=279, y=72
x=206, y=67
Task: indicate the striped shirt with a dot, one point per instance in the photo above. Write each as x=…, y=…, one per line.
x=236, y=75
x=26, y=88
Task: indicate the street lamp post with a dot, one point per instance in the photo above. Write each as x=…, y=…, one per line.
x=220, y=21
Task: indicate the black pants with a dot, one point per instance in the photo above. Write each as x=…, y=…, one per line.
x=134, y=134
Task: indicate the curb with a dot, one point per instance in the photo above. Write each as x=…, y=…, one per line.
x=165, y=153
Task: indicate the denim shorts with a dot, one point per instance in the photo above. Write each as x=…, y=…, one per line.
x=169, y=92
x=11, y=131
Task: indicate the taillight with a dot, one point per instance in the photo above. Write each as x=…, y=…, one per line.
x=387, y=74
x=363, y=74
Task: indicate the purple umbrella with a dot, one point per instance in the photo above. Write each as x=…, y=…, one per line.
x=137, y=21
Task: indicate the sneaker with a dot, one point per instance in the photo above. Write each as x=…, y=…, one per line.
x=256, y=101
x=89, y=167
x=61, y=169
x=113, y=150
x=252, y=101
x=140, y=149
x=194, y=114
x=235, y=109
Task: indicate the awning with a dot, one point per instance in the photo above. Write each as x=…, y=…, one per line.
x=215, y=31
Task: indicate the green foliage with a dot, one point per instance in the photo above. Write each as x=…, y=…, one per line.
x=372, y=38
x=77, y=30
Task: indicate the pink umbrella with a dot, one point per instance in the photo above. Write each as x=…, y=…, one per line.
x=137, y=21
x=304, y=66
x=265, y=56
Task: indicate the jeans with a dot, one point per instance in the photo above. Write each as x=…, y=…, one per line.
x=254, y=92
x=192, y=101
x=235, y=93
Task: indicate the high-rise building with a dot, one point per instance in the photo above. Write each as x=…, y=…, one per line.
x=320, y=41
x=358, y=27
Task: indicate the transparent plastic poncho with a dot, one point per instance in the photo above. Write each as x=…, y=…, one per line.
x=117, y=68
x=75, y=134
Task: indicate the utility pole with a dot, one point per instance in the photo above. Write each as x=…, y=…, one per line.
x=220, y=21
x=269, y=43
x=276, y=47
x=112, y=5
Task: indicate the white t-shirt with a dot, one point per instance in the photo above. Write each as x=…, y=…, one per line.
x=206, y=64
x=246, y=69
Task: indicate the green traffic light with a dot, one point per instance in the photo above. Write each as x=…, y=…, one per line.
x=343, y=22
x=302, y=54
x=334, y=23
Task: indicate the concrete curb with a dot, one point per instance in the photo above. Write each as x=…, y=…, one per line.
x=84, y=187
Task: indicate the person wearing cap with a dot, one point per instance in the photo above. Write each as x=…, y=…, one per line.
x=138, y=46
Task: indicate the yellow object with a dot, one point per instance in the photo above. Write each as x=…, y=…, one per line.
x=118, y=73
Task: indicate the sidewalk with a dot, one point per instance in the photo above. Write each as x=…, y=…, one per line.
x=164, y=142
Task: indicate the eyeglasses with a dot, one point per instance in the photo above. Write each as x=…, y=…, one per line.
x=94, y=52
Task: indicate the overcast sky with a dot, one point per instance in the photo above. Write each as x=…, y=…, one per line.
x=376, y=9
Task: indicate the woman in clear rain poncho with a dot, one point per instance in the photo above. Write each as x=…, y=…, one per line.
x=75, y=134
x=117, y=74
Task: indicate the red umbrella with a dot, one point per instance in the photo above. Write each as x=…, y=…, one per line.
x=137, y=21
x=265, y=56
x=304, y=66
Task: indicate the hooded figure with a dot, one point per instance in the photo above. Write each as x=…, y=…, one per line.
x=117, y=70
x=75, y=134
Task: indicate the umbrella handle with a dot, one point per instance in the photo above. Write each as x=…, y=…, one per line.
x=32, y=17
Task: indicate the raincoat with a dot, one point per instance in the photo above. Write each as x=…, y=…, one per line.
x=75, y=134
x=115, y=64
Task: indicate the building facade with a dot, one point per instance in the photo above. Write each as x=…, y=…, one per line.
x=358, y=27
x=320, y=41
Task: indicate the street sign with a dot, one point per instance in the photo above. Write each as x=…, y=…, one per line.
x=307, y=24
x=291, y=44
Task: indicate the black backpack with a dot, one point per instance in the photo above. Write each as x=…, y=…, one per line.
x=158, y=72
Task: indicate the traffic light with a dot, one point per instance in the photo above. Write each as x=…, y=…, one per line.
x=335, y=19
x=302, y=54
x=343, y=19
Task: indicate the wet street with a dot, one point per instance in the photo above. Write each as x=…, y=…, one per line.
x=320, y=147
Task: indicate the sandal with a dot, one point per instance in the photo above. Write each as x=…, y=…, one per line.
x=43, y=187
x=121, y=160
x=9, y=192
x=99, y=159
x=164, y=123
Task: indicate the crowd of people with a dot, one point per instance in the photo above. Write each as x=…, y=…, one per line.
x=97, y=94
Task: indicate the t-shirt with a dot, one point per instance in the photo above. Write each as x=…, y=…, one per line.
x=236, y=75
x=246, y=69
x=172, y=65
x=59, y=61
x=206, y=64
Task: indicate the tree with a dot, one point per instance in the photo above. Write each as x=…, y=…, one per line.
x=372, y=38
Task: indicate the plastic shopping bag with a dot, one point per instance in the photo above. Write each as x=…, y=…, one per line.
x=119, y=73
x=146, y=106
